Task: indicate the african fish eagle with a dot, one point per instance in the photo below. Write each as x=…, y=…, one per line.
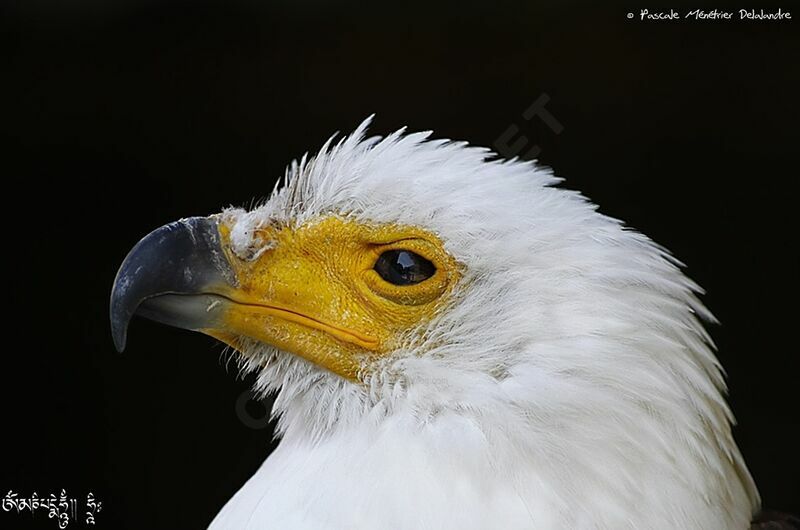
x=454, y=342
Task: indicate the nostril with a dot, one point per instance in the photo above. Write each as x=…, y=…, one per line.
x=264, y=245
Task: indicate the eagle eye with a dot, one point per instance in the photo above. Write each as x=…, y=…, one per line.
x=403, y=267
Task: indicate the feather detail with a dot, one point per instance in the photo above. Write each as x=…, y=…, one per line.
x=569, y=384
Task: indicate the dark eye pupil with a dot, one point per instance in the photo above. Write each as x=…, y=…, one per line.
x=402, y=267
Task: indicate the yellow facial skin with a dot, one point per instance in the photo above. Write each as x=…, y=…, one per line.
x=315, y=293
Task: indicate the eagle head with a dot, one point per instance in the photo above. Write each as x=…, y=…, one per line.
x=409, y=281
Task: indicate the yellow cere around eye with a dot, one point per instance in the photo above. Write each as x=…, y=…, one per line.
x=314, y=291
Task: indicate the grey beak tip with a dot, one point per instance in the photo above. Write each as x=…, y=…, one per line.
x=119, y=336
x=119, y=324
x=119, y=344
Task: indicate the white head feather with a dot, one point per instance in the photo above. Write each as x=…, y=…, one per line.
x=573, y=349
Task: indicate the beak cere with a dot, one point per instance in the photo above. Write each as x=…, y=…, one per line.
x=172, y=276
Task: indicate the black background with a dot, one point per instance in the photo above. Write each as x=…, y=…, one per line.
x=126, y=115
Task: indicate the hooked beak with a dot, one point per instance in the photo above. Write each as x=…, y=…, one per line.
x=175, y=275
